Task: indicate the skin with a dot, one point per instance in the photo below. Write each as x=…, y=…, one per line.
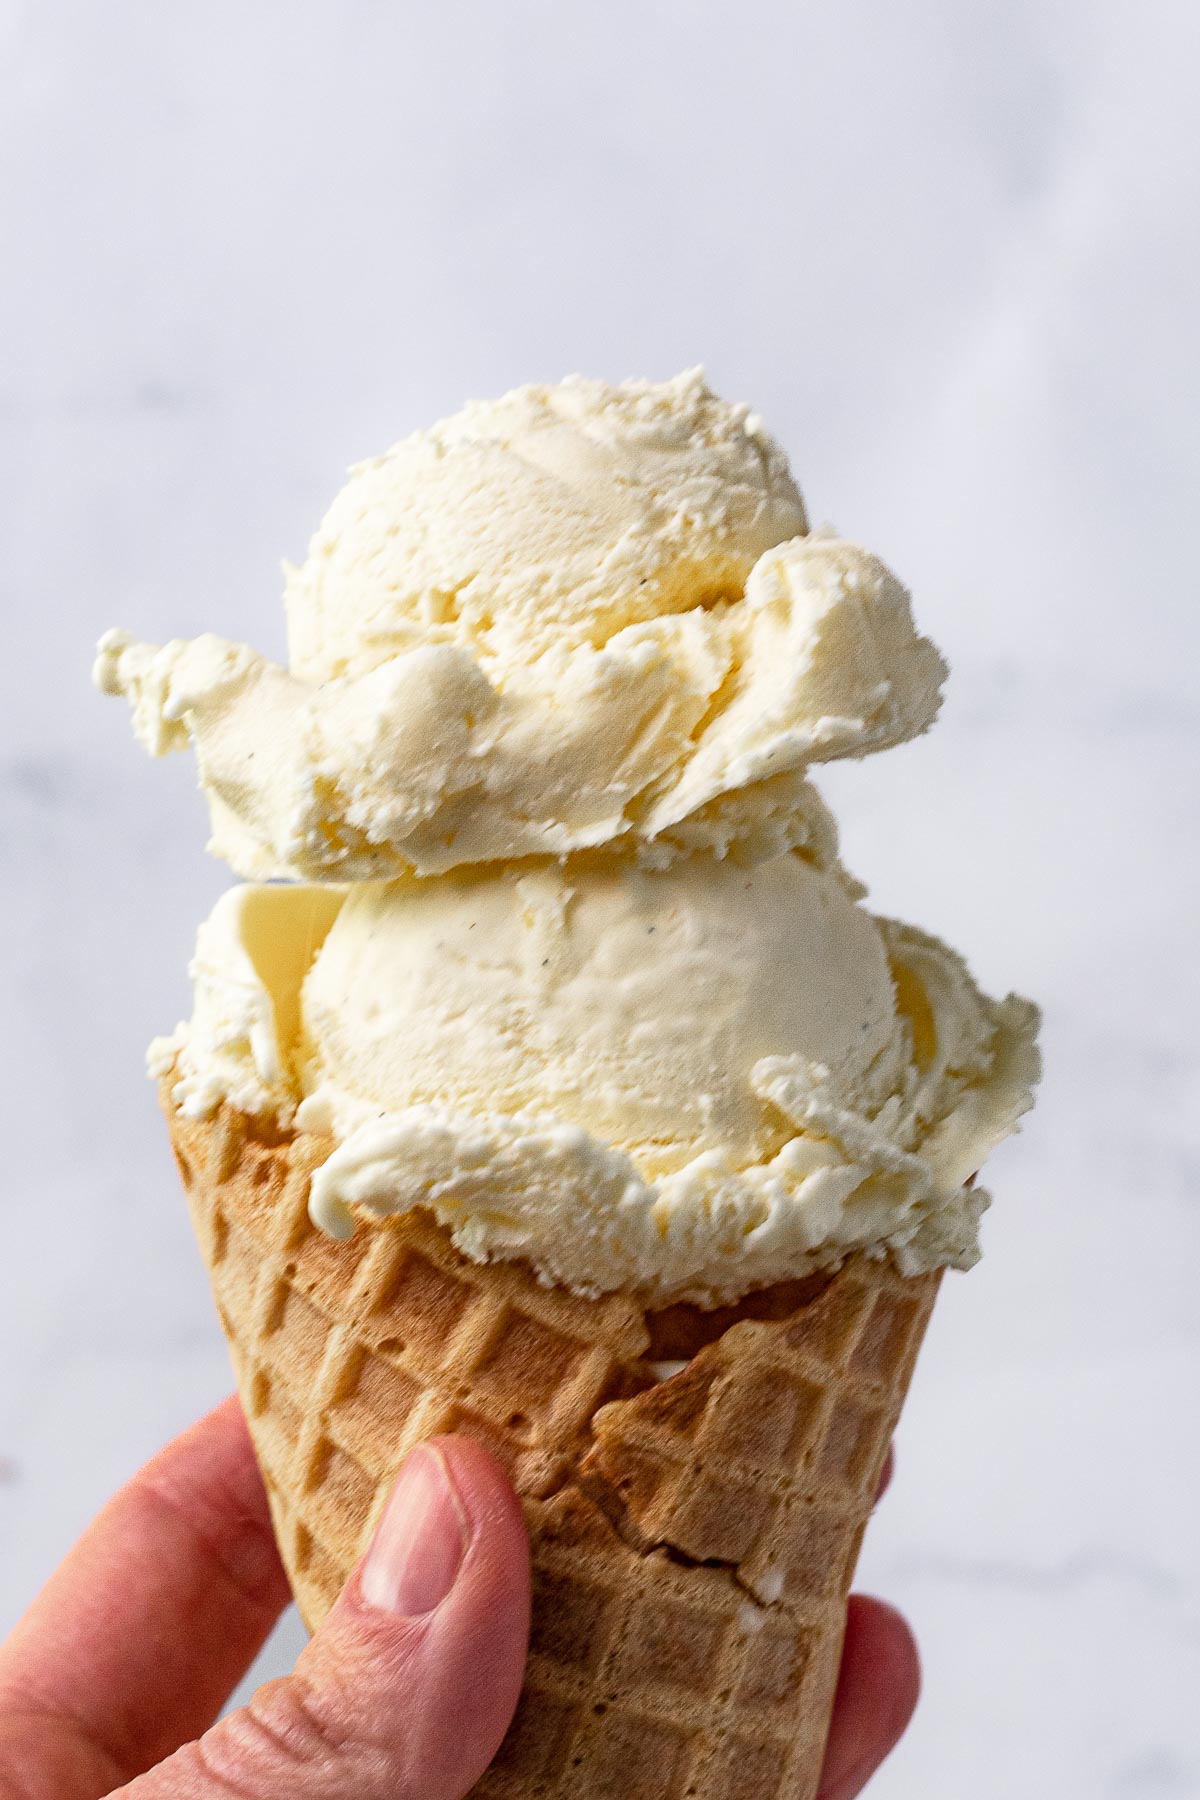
x=111, y=1682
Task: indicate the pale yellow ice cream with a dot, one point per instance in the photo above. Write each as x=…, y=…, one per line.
x=580, y=617
x=241, y=1043
x=552, y=518
x=595, y=990
x=682, y=1083
x=634, y=1004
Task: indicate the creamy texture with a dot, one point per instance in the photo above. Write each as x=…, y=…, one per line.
x=783, y=1080
x=548, y=519
x=645, y=653
x=633, y=1004
x=240, y=1044
x=568, y=957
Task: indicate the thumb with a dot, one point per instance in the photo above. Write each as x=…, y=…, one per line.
x=408, y=1687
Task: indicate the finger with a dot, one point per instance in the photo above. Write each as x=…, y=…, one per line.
x=886, y=1473
x=136, y=1641
x=408, y=1687
x=876, y=1697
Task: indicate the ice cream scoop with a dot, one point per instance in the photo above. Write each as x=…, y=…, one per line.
x=634, y=1003
x=552, y=518
x=678, y=1084
x=581, y=617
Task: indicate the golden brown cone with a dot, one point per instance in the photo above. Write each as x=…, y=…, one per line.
x=693, y=1539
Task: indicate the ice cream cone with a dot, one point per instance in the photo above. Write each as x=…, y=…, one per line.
x=693, y=1537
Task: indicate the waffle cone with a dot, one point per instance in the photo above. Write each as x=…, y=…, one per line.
x=693, y=1539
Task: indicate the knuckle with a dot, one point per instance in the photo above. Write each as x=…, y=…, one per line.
x=291, y=1738
x=241, y=1549
x=297, y=1722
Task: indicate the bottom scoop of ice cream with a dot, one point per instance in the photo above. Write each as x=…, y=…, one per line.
x=682, y=1084
x=633, y=1005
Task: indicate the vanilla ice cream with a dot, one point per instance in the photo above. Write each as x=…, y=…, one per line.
x=580, y=617
x=567, y=954
x=636, y=1004
x=552, y=518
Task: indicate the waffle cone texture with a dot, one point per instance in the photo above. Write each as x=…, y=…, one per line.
x=693, y=1539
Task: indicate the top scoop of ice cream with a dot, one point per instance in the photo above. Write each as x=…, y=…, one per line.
x=579, y=617
x=553, y=517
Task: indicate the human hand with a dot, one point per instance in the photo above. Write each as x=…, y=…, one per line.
x=405, y=1692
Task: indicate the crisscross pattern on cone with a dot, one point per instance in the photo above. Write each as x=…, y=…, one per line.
x=693, y=1539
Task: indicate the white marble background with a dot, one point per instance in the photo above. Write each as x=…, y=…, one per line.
x=950, y=251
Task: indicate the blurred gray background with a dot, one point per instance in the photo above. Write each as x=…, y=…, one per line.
x=950, y=253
